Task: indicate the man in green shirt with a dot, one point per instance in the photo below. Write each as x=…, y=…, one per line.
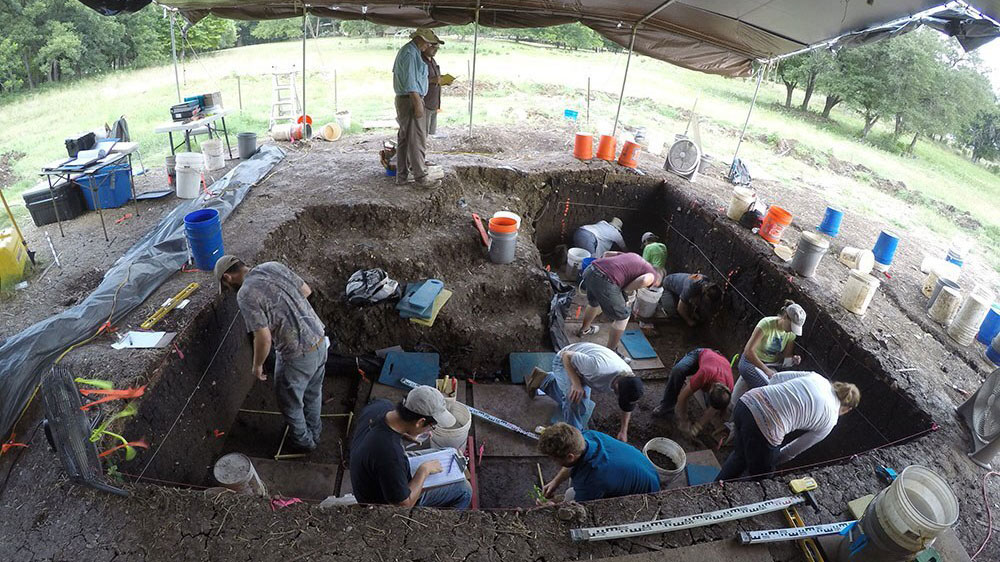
x=654, y=251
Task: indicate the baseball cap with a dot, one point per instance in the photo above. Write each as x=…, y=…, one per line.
x=428, y=401
x=225, y=262
x=427, y=35
x=616, y=222
x=630, y=390
x=797, y=315
x=647, y=236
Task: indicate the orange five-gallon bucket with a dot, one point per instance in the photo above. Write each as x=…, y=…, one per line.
x=606, y=148
x=630, y=155
x=584, y=147
x=774, y=224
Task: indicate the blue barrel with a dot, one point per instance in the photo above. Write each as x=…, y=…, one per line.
x=990, y=326
x=831, y=221
x=204, y=236
x=885, y=247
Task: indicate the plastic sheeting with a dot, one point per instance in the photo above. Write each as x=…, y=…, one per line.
x=139, y=272
x=558, y=309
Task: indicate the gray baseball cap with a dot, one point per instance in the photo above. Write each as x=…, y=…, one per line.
x=797, y=315
x=225, y=262
x=428, y=401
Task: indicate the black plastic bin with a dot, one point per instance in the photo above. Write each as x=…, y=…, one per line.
x=68, y=198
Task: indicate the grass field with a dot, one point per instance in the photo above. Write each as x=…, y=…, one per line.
x=515, y=81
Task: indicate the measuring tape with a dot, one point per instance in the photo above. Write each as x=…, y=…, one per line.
x=684, y=522
x=792, y=533
x=168, y=306
x=484, y=416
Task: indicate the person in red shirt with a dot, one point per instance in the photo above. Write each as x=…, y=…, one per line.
x=606, y=280
x=701, y=369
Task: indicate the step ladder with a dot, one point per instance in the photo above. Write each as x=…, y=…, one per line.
x=285, y=106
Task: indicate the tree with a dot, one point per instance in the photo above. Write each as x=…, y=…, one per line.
x=277, y=30
x=816, y=63
x=983, y=135
x=788, y=73
x=61, y=51
x=360, y=28
x=209, y=34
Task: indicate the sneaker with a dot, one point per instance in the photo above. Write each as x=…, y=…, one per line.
x=534, y=381
x=292, y=448
x=661, y=412
x=593, y=329
x=625, y=358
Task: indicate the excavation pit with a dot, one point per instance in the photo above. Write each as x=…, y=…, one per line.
x=495, y=310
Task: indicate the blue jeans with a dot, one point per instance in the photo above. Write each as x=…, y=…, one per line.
x=585, y=239
x=750, y=377
x=752, y=453
x=457, y=495
x=556, y=386
x=298, y=386
x=686, y=367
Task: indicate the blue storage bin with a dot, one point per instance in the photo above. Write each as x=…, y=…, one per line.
x=102, y=183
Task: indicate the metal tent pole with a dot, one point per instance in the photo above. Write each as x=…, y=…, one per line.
x=760, y=78
x=304, y=124
x=631, y=45
x=475, y=48
x=173, y=51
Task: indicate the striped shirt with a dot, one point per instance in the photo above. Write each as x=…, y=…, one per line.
x=792, y=401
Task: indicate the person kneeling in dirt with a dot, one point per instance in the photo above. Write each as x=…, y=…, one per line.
x=273, y=302
x=654, y=251
x=771, y=346
x=700, y=369
x=380, y=471
x=691, y=296
x=597, y=465
x=580, y=367
x=600, y=237
x=793, y=401
x=606, y=281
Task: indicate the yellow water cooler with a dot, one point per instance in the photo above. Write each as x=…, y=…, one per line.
x=13, y=259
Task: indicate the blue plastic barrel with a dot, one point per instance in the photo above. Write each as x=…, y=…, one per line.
x=990, y=326
x=204, y=236
x=831, y=221
x=885, y=247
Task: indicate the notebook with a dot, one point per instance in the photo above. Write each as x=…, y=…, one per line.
x=453, y=465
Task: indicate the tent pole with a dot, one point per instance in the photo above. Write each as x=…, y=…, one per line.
x=304, y=124
x=628, y=61
x=173, y=51
x=760, y=78
x=475, y=48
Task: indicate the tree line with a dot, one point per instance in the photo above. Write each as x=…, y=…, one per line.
x=920, y=83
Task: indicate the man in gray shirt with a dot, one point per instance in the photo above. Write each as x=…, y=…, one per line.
x=273, y=302
x=600, y=237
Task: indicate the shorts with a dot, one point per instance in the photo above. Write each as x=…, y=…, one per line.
x=605, y=294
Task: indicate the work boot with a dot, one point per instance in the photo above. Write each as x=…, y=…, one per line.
x=593, y=329
x=664, y=413
x=534, y=381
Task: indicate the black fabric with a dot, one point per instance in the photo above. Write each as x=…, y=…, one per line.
x=630, y=390
x=684, y=286
x=380, y=472
x=679, y=374
x=558, y=309
x=115, y=7
x=752, y=453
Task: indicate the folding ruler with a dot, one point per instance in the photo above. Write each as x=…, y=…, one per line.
x=484, y=416
x=792, y=533
x=700, y=519
x=168, y=306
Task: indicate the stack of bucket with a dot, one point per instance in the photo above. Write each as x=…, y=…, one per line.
x=212, y=150
x=885, y=250
x=188, y=170
x=503, y=238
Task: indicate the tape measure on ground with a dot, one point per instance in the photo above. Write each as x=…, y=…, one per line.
x=683, y=522
x=792, y=533
x=487, y=417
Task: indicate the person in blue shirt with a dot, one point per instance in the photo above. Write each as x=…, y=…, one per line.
x=598, y=465
x=409, y=81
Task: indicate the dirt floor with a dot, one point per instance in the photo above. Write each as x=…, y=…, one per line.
x=328, y=209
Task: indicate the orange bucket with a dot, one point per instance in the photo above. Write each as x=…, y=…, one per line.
x=584, y=147
x=774, y=224
x=503, y=225
x=606, y=148
x=629, y=155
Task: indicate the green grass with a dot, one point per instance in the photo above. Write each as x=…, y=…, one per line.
x=518, y=80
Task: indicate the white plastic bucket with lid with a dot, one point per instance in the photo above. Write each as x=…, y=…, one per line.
x=672, y=450
x=945, y=305
x=860, y=259
x=456, y=436
x=236, y=472
x=740, y=202
x=647, y=300
x=510, y=215
x=965, y=326
x=212, y=151
x=858, y=292
x=188, y=169
x=916, y=508
x=940, y=270
x=574, y=258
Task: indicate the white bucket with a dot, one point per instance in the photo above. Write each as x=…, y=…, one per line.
x=510, y=215
x=858, y=292
x=940, y=270
x=331, y=131
x=344, y=119
x=740, y=202
x=646, y=301
x=574, y=259
x=671, y=449
x=458, y=435
x=188, y=169
x=965, y=326
x=945, y=305
x=860, y=259
x=282, y=132
x=236, y=472
x=917, y=507
x=212, y=151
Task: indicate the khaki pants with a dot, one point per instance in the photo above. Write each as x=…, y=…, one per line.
x=411, y=145
x=431, y=116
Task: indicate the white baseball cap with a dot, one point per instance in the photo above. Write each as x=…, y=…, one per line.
x=428, y=401
x=797, y=316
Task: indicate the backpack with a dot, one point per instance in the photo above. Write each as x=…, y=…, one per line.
x=738, y=173
x=370, y=286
